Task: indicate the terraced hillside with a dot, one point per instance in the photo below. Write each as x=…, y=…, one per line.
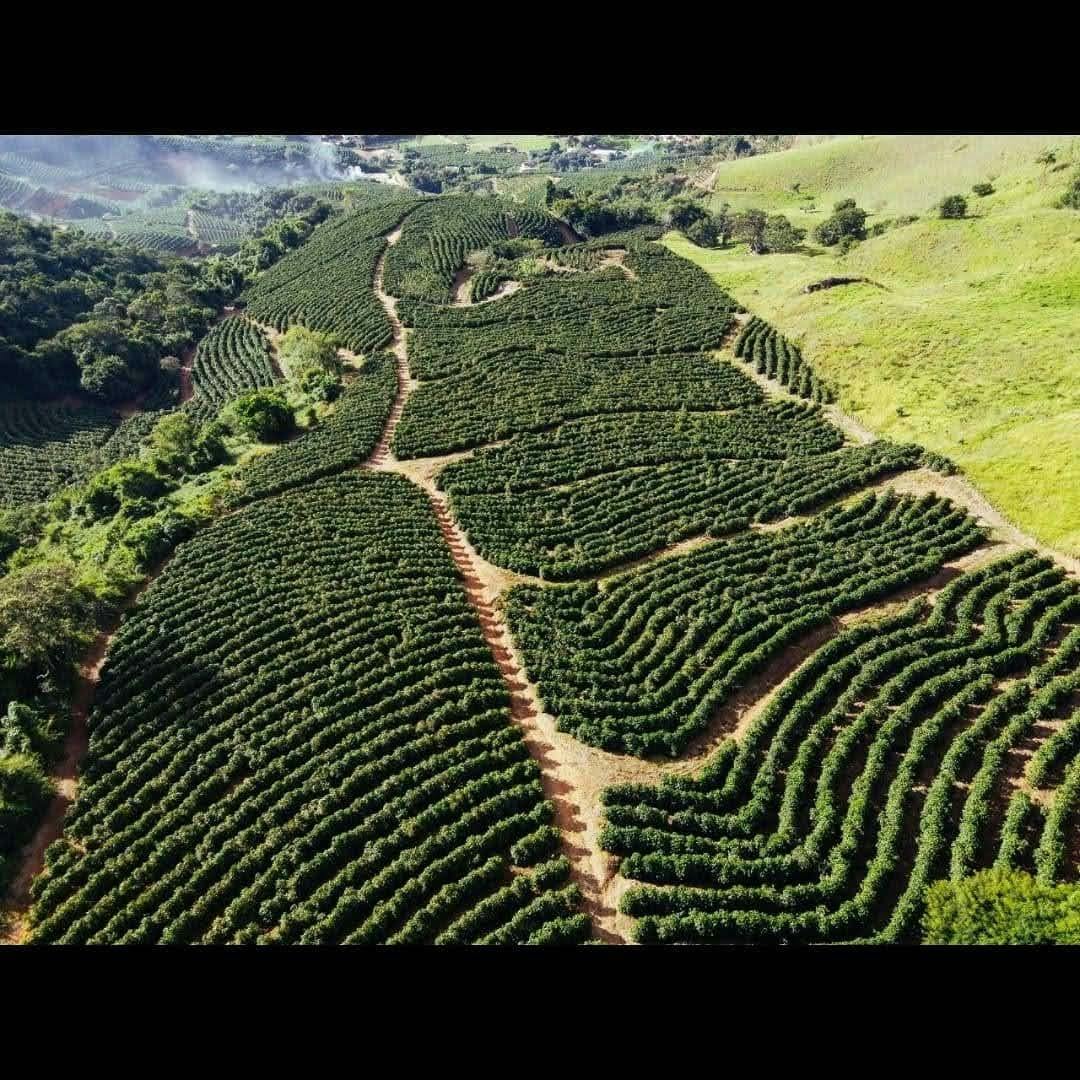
x=569, y=621
x=317, y=775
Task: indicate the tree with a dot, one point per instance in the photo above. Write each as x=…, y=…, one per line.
x=126, y=484
x=683, y=212
x=301, y=349
x=25, y=791
x=846, y=220
x=173, y=440
x=750, y=226
x=107, y=377
x=1001, y=907
x=703, y=232
x=264, y=415
x=780, y=235
x=1071, y=199
x=952, y=206
x=45, y=618
x=725, y=224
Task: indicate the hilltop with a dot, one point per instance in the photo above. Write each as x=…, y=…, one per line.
x=965, y=338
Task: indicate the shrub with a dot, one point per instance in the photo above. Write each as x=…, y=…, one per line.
x=124, y=484
x=846, y=220
x=703, y=232
x=983, y=189
x=301, y=349
x=24, y=792
x=781, y=235
x=952, y=206
x=264, y=415
x=1001, y=907
x=1071, y=199
x=318, y=384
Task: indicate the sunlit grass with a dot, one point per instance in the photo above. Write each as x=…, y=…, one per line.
x=967, y=342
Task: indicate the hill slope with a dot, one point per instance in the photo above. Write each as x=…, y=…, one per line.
x=968, y=340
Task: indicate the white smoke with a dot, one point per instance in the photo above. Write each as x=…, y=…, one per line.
x=323, y=158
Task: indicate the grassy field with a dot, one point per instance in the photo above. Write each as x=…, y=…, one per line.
x=969, y=339
x=885, y=174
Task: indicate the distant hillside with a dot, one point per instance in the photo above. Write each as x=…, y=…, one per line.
x=969, y=339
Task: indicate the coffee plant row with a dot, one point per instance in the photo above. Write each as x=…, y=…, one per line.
x=347, y=437
x=777, y=358
x=883, y=764
x=300, y=736
x=671, y=306
x=232, y=359
x=440, y=233
x=641, y=662
x=527, y=391
x=596, y=524
x=327, y=284
x=45, y=447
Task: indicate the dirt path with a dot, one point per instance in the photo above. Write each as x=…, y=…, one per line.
x=187, y=380
x=572, y=774
x=460, y=290
x=617, y=257
x=16, y=907
x=381, y=458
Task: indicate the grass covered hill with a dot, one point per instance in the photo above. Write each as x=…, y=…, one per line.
x=966, y=338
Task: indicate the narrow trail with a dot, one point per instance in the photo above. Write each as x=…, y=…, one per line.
x=381, y=457
x=571, y=774
x=187, y=380
x=16, y=908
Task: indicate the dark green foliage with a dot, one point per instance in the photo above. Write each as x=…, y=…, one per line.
x=846, y=220
x=601, y=491
x=46, y=447
x=347, y=438
x=952, y=206
x=264, y=415
x=46, y=619
x=983, y=189
x=300, y=736
x=777, y=358
x=127, y=484
x=1071, y=199
x=233, y=359
x=326, y=285
x=641, y=663
x=780, y=235
x=704, y=232
x=25, y=791
x=569, y=345
x=878, y=768
x=439, y=234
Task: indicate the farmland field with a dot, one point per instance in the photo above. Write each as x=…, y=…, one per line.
x=478, y=582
